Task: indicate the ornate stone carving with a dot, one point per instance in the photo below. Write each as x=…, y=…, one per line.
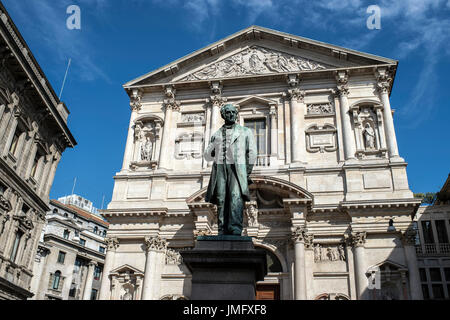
x=367, y=121
x=193, y=117
x=358, y=239
x=202, y=233
x=321, y=138
x=216, y=99
x=342, y=83
x=173, y=257
x=189, y=145
x=170, y=102
x=309, y=241
x=5, y=205
x=251, y=212
x=384, y=80
x=146, y=134
x=112, y=243
x=329, y=253
x=296, y=94
x=155, y=243
x=299, y=234
x=408, y=237
x=135, y=100
x=320, y=109
x=255, y=60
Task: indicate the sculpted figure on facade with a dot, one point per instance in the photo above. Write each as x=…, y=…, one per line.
x=255, y=60
x=252, y=215
x=369, y=136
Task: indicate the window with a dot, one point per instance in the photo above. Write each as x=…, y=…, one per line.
x=56, y=280
x=73, y=290
x=258, y=127
x=77, y=266
x=66, y=234
x=83, y=242
x=427, y=232
x=15, y=248
x=97, y=273
x=447, y=275
x=441, y=231
x=66, y=215
x=94, y=294
x=61, y=257
x=15, y=142
x=37, y=157
x=104, y=233
x=426, y=293
x=25, y=208
x=438, y=291
x=423, y=275
x=95, y=229
x=2, y=188
x=435, y=274
x=55, y=211
x=101, y=249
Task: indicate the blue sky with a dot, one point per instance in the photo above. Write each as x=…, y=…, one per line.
x=120, y=40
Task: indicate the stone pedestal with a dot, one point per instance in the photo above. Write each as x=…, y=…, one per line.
x=225, y=268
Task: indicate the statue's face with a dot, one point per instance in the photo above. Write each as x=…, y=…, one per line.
x=229, y=115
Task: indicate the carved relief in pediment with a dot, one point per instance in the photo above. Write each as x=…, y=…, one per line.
x=255, y=60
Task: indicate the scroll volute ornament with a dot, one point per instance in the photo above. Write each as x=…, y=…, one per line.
x=358, y=239
x=155, y=243
x=299, y=234
x=384, y=79
x=408, y=237
x=112, y=243
x=170, y=101
x=342, y=83
x=135, y=100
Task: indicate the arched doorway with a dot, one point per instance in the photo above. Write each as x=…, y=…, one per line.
x=268, y=290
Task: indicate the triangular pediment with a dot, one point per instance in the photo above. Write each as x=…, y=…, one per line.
x=255, y=60
x=258, y=51
x=126, y=268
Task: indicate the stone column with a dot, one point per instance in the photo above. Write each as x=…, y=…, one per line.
x=273, y=132
x=135, y=104
x=347, y=131
x=216, y=101
x=207, y=138
x=409, y=240
x=155, y=246
x=105, y=289
x=89, y=280
x=298, y=111
x=384, y=82
x=358, y=240
x=299, y=236
x=171, y=105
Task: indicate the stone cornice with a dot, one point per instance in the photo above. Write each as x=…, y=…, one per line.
x=135, y=212
x=34, y=72
x=378, y=204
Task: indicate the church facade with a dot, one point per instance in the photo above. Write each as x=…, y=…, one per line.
x=330, y=204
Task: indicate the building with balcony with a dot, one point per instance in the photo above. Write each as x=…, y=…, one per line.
x=70, y=256
x=433, y=246
x=33, y=136
x=330, y=203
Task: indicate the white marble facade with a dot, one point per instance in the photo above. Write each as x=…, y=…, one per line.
x=329, y=177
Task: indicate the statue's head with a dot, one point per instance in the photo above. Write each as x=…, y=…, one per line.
x=229, y=113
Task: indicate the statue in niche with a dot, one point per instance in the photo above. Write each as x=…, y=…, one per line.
x=369, y=136
x=252, y=215
x=146, y=149
x=127, y=295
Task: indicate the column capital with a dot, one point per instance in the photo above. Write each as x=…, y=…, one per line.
x=170, y=102
x=358, y=239
x=300, y=234
x=135, y=100
x=295, y=94
x=112, y=243
x=155, y=243
x=92, y=263
x=408, y=237
x=384, y=80
x=342, y=83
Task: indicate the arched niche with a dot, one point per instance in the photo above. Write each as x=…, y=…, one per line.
x=367, y=120
x=147, y=140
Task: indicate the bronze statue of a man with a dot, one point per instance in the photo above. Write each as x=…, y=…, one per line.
x=233, y=150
